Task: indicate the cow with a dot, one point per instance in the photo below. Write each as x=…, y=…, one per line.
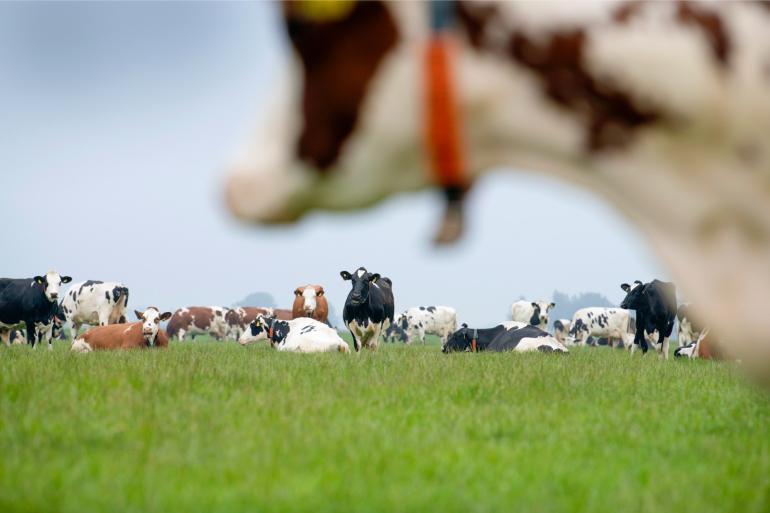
x=418, y=321
x=561, y=330
x=32, y=301
x=368, y=307
x=655, y=306
x=238, y=318
x=146, y=333
x=300, y=335
x=394, y=333
x=661, y=108
x=96, y=303
x=600, y=322
x=16, y=337
x=534, y=313
x=310, y=301
x=198, y=320
x=510, y=336
x=690, y=328
x=704, y=348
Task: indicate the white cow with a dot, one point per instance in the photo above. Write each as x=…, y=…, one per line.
x=96, y=303
x=418, y=321
x=600, y=322
x=301, y=335
x=534, y=313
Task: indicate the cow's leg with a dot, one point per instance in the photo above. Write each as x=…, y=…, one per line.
x=663, y=343
x=74, y=330
x=641, y=340
x=31, y=333
x=181, y=334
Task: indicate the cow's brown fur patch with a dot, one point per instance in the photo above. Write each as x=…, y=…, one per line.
x=121, y=336
x=339, y=58
x=710, y=23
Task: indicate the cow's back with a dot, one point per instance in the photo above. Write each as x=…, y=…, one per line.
x=114, y=336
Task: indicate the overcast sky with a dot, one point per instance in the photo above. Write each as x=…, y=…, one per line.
x=118, y=119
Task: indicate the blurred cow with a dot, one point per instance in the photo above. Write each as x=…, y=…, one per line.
x=561, y=329
x=600, y=322
x=662, y=108
x=418, y=321
x=238, y=318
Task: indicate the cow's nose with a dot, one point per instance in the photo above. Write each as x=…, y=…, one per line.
x=54, y=295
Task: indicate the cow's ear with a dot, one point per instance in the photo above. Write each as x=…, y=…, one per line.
x=534, y=305
x=138, y=314
x=297, y=292
x=464, y=325
x=38, y=279
x=551, y=306
x=320, y=291
x=66, y=279
x=374, y=277
x=625, y=286
x=345, y=275
x=165, y=316
x=638, y=282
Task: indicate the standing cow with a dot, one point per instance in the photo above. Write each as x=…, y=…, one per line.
x=94, y=302
x=368, y=307
x=198, y=320
x=655, y=305
x=534, y=313
x=600, y=322
x=238, y=318
x=418, y=321
x=310, y=301
x=32, y=301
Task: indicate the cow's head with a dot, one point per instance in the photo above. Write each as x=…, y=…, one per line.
x=257, y=330
x=306, y=298
x=634, y=295
x=51, y=283
x=460, y=340
x=151, y=319
x=361, y=281
x=540, y=311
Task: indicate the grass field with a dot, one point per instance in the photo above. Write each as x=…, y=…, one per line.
x=209, y=426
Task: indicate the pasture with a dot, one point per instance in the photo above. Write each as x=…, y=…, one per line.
x=209, y=426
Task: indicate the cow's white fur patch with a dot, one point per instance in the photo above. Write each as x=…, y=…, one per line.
x=80, y=346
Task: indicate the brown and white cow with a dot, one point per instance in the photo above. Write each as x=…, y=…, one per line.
x=146, y=333
x=661, y=108
x=310, y=301
x=240, y=317
x=198, y=320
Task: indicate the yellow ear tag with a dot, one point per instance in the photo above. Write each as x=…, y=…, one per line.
x=329, y=10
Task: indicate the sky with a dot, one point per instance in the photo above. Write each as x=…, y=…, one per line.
x=117, y=121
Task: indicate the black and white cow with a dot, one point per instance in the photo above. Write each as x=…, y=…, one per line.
x=96, y=303
x=368, y=307
x=510, y=336
x=655, y=306
x=32, y=301
x=534, y=313
x=561, y=329
x=690, y=328
x=418, y=321
x=300, y=335
x=16, y=337
x=600, y=322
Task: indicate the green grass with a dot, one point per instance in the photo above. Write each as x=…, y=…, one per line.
x=209, y=426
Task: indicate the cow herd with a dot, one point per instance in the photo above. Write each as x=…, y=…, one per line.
x=368, y=314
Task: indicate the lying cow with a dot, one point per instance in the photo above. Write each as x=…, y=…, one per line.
x=137, y=335
x=600, y=322
x=561, y=329
x=16, y=337
x=240, y=317
x=32, y=301
x=510, y=336
x=703, y=348
x=368, y=307
x=310, y=301
x=418, y=321
x=655, y=305
x=690, y=328
x=96, y=303
x=198, y=320
x=301, y=335
x=534, y=313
